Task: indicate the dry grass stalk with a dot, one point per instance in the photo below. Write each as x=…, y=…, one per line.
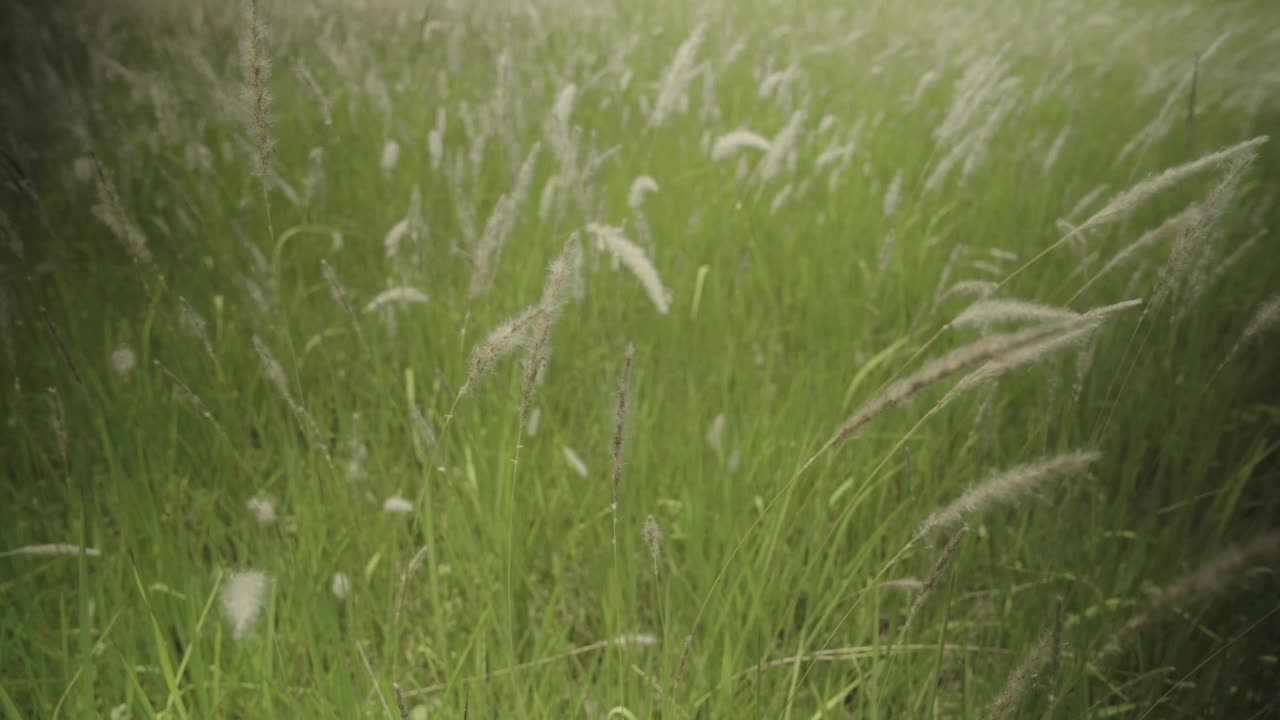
x=653, y=539
x=1211, y=576
x=275, y=373
x=1007, y=485
x=684, y=660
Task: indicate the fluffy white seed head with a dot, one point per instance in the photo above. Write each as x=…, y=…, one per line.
x=403, y=295
x=123, y=360
x=634, y=258
x=575, y=462
x=243, y=598
x=340, y=586
x=730, y=143
x=264, y=511
x=397, y=504
x=639, y=187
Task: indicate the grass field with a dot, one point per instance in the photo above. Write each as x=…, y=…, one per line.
x=640, y=359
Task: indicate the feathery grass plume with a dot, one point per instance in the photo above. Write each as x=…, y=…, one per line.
x=340, y=296
x=985, y=313
x=1023, y=676
x=553, y=295
x=886, y=254
x=397, y=505
x=1021, y=357
x=727, y=145
x=1235, y=257
x=1210, y=577
x=275, y=373
x=109, y=210
x=256, y=69
x=574, y=461
x=981, y=288
x=1055, y=151
x=6, y=321
x=1188, y=246
x=399, y=696
x=907, y=584
x=196, y=325
x=639, y=188
x=892, y=194
x=619, y=434
x=981, y=136
x=1172, y=224
x=628, y=253
x=653, y=539
x=1006, y=486
x=979, y=84
x=403, y=295
x=715, y=432
x=58, y=423
x=340, y=586
x=60, y=344
x=1125, y=202
x=500, y=341
x=1264, y=318
x=966, y=356
x=779, y=147
x=676, y=78
x=498, y=228
x=409, y=571
x=51, y=550
x=242, y=599
x=426, y=435
x=326, y=112
x=390, y=157
x=264, y=511
x=684, y=660
x=935, y=576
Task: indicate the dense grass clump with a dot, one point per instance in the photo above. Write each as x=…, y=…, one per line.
x=639, y=359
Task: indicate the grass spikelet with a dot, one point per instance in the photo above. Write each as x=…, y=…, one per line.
x=676, y=78
x=633, y=257
x=892, y=195
x=1024, y=675
x=498, y=228
x=619, y=433
x=1264, y=318
x=1125, y=202
x=256, y=68
x=1210, y=577
x=640, y=187
x=935, y=575
x=653, y=539
x=727, y=145
x=50, y=550
x=196, y=325
x=575, y=462
x=684, y=660
x=1171, y=225
x=243, y=598
x=966, y=356
x=397, y=505
x=340, y=586
x=109, y=210
x=1007, y=485
x=403, y=295
x=58, y=424
x=501, y=340
x=409, y=571
x=559, y=274
x=340, y=296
